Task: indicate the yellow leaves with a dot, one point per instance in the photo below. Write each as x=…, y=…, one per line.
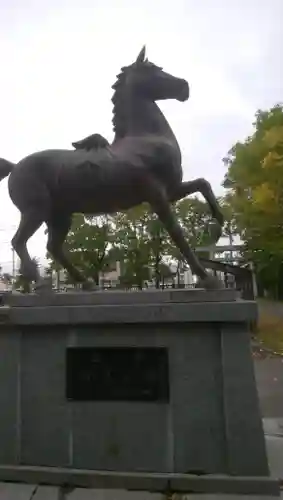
x=273, y=138
x=272, y=163
x=265, y=201
x=273, y=160
x=255, y=175
x=263, y=195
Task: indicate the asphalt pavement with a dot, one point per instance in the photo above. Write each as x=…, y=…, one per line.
x=269, y=377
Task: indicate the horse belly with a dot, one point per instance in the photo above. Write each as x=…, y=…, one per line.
x=107, y=194
x=121, y=201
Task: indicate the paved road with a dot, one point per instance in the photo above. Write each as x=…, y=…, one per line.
x=269, y=370
x=269, y=376
x=272, y=308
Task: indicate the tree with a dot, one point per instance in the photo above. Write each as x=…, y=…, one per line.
x=159, y=246
x=145, y=246
x=88, y=245
x=254, y=181
x=194, y=216
x=132, y=245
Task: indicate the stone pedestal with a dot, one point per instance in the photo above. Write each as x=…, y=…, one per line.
x=178, y=395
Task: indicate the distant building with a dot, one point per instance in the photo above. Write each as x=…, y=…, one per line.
x=4, y=287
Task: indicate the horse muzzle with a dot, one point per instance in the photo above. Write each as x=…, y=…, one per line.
x=184, y=91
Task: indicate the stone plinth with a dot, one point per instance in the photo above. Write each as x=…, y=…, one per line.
x=203, y=420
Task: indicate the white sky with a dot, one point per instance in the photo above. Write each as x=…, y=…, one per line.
x=59, y=59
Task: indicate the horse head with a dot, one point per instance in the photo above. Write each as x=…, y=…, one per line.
x=143, y=82
x=151, y=82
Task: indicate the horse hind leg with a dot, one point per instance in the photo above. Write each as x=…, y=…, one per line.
x=30, y=222
x=58, y=227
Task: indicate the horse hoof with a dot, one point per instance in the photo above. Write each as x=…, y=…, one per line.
x=210, y=283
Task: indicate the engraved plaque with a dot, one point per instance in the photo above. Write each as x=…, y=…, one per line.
x=117, y=374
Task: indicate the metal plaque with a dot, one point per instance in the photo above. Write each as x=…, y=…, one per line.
x=117, y=374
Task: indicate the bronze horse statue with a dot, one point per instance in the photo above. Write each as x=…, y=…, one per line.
x=143, y=164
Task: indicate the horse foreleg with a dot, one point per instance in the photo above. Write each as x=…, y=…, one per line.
x=161, y=206
x=58, y=228
x=203, y=187
x=30, y=222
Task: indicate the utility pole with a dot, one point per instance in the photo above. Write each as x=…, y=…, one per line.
x=230, y=235
x=13, y=263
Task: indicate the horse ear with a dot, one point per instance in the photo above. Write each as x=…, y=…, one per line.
x=141, y=56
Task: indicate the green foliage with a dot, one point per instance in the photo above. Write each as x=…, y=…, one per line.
x=132, y=245
x=88, y=244
x=145, y=246
x=193, y=216
x=254, y=181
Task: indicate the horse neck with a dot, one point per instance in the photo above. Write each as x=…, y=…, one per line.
x=137, y=117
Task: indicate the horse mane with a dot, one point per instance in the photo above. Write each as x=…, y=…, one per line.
x=118, y=99
x=119, y=115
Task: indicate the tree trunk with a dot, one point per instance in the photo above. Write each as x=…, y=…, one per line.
x=157, y=270
x=96, y=277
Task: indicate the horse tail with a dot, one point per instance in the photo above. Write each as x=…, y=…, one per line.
x=6, y=168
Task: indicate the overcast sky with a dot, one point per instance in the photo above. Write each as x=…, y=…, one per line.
x=59, y=58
